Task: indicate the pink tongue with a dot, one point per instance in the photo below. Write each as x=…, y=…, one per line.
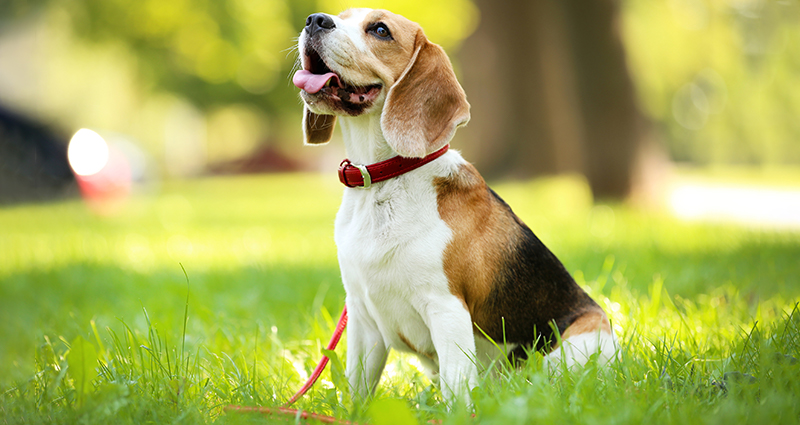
x=312, y=83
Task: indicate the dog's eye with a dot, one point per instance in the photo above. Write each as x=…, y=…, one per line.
x=380, y=30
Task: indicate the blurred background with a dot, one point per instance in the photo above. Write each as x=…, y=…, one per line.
x=615, y=91
x=139, y=137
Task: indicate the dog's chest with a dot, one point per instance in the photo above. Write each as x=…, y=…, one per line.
x=390, y=241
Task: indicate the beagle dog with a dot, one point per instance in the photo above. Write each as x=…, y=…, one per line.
x=432, y=260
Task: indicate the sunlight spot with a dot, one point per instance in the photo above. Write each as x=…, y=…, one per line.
x=87, y=152
x=298, y=367
x=175, y=212
x=601, y=221
x=612, y=306
x=179, y=247
x=256, y=241
x=138, y=252
x=43, y=251
x=414, y=361
x=747, y=205
x=94, y=245
x=391, y=370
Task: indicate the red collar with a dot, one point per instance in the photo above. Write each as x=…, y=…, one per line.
x=359, y=175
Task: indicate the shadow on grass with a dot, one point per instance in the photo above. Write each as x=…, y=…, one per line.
x=759, y=268
x=62, y=302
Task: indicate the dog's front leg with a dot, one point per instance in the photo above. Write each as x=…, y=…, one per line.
x=366, y=351
x=451, y=333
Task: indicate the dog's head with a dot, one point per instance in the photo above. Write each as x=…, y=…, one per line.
x=373, y=61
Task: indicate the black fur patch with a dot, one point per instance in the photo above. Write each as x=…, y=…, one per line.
x=532, y=292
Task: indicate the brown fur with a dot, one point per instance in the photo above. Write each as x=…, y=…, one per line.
x=480, y=230
x=389, y=59
x=592, y=321
x=424, y=108
x=514, y=288
x=318, y=128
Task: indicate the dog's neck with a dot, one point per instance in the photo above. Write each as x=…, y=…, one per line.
x=363, y=139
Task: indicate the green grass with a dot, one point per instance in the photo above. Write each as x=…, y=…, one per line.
x=99, y=324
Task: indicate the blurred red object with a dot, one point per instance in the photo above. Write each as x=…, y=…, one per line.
x=103, y=171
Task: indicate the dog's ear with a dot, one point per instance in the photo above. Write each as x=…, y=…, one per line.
x=426, y=104
x=317, y=129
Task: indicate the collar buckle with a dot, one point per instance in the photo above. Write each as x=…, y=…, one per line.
x=364, y=175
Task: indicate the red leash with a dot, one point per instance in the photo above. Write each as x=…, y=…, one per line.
x=337, y=335
x=285, y=410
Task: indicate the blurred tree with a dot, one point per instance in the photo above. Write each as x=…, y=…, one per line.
x=226, y=65
x=551, y=93
x=548, y=80
x=719, y=78
x=231, y=59
x=213, y=52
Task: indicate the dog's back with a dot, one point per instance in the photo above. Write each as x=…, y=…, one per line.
x=516, y=290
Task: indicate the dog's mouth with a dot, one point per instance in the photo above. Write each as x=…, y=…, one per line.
x=318, y=79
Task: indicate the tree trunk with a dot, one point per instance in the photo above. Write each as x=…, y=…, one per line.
x=551, y=93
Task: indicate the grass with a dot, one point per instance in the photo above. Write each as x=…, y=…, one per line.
x=101, y=326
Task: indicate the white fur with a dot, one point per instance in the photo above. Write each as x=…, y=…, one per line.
x=351, y=27
x=344, y=47
x=391, y=241
x=576, y=350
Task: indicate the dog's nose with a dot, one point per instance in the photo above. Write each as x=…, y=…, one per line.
x=317, y=22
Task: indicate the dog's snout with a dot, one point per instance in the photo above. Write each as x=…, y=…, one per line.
x=318, y=22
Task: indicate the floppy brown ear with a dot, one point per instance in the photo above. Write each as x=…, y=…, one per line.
x=426, y=104
x=317, y=129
